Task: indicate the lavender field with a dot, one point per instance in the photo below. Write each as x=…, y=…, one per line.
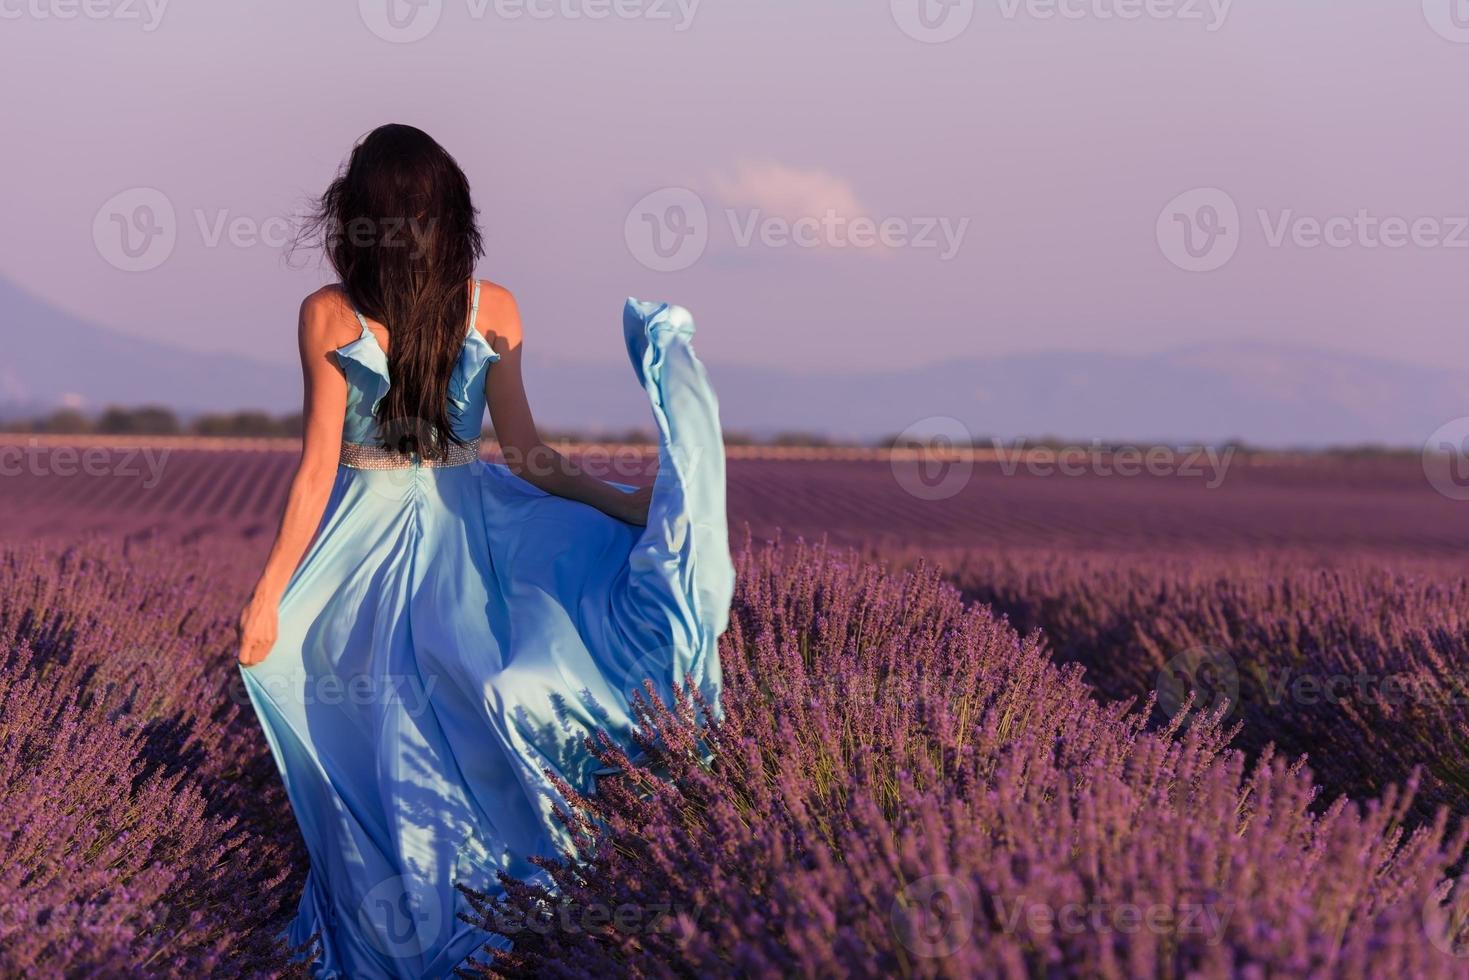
x=1042, y=726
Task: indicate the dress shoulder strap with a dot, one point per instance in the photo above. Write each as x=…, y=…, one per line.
x=361, y=320
x=473, y=308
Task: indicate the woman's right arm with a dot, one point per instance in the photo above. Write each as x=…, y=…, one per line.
x=526, y=454
x=325, y=407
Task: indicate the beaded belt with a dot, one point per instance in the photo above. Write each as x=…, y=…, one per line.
x=361, y=456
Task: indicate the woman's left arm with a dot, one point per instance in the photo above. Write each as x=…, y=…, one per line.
x=526, y=454
x=325, y=407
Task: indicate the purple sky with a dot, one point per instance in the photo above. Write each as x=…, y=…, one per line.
x=1058, y=140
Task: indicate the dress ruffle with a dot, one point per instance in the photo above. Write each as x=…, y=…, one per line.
x=474, y=357
x=366, y=367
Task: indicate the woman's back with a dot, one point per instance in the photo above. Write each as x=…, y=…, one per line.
x=365, y=363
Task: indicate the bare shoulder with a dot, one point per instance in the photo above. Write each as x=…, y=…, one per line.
x=327, y=320
x=499, y=317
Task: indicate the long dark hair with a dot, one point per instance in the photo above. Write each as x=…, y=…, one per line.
x=399, y=227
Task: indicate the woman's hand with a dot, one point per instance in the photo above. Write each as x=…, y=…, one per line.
x=258, y=626
x=634, y=506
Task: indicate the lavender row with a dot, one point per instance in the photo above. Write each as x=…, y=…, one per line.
x=1362, y=667
x=902, y=785
x=142, y=829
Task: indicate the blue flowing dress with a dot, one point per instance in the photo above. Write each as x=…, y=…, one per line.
x=454, y=633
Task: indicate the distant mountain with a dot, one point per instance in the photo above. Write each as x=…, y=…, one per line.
x=1266, y=394
x=48, y=358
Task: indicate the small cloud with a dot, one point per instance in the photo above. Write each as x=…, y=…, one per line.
x=788, y=192
x=775, y=204
x=72, y=399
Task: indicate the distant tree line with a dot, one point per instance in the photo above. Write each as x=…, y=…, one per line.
x=156, y=420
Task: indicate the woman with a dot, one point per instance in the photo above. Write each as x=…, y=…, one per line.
x=431, y=635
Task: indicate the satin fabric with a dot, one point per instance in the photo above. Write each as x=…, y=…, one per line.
x=454, y=633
